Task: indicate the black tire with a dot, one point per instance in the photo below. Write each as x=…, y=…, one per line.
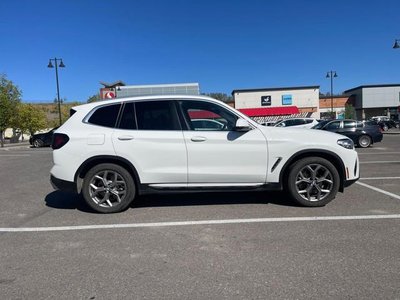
x=37, y=143
x=364, y=141
x=115, y=188
x=385, y=128
x=313, y=181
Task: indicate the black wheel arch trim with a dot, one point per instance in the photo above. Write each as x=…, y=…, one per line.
x=338, y=163
x=92, y=161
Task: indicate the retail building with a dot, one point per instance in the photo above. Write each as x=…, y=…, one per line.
x=376, y=100
x=266, y=104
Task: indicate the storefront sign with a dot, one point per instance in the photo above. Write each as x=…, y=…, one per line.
x=286, y=99
x=265, y=100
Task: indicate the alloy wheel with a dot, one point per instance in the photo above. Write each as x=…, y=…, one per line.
x=107, y=188
x=314, y=182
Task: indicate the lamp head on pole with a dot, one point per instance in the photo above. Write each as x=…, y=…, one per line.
x=327, y=75
x=396, y=44
x=335, y=75
x=50, y=65
x=62, y=64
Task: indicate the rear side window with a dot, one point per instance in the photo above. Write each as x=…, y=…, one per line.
x=360, y=124
x=105, y=116
x=157, y=115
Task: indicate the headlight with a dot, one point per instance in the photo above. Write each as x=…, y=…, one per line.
x=346, y=143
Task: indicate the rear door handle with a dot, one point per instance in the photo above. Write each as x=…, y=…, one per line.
x=125, y=137
x=198, y=139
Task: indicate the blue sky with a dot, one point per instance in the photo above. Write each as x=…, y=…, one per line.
x=222, y=45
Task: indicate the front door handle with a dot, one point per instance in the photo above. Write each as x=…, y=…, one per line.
x=198, y=139
x=125, y=137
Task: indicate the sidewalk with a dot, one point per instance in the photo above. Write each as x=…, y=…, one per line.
x=15, y=145
x=392, y=131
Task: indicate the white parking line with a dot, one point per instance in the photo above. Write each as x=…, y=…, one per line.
x=203, y=222
x=378, y=178
x=14, y=155
x=378, y=190
x=380, y=162
x=379, y=153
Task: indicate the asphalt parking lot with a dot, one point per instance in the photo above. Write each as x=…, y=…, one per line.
x=200, y=246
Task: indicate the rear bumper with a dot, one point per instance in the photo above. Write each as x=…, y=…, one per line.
x=63, y=185
x=378, y=138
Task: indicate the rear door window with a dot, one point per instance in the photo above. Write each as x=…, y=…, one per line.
x=157, y=115
x=349, y=124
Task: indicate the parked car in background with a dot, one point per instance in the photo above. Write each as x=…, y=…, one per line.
x=270, y=123
x=386, y=125
x=385, y=122
x=297, y=122
x=207, y=124
x=113, y=150
x=363, y=134
x=42, y=139
x=380, y=118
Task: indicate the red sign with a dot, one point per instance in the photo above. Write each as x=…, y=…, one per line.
x=109, y=95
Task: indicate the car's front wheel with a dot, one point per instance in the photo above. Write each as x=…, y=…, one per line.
x=108, y=188
x=313, y=181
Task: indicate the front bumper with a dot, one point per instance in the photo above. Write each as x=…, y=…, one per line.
x=62, y=185
x=348, y=183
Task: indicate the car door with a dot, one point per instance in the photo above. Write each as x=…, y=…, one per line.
x=221, y=156
x=150, y=137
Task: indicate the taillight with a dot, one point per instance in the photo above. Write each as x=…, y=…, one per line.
x=59, y=140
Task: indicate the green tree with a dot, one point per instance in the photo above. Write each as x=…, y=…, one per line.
x=220, y=96
x=349, y=112
x=94, y=98
x=29, y=118
x=10, y=97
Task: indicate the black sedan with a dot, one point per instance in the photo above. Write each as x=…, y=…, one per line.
x=385, y=125
x=42, y=139
x=362, y=134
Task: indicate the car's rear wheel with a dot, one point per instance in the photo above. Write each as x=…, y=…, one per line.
x=108, y=188
x=385, y=127
x=313, y=181
x=364, y=141
x=37, y=143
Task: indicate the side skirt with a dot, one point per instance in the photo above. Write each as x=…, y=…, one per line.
x=145, y=189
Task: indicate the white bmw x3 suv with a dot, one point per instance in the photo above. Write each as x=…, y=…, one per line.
x=114, y=150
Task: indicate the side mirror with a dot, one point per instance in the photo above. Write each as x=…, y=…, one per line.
x=242, y=125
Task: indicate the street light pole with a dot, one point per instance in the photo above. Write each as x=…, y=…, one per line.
x=331, y=75
x=50, y=65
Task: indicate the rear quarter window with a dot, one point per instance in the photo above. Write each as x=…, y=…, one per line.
x=105, y=116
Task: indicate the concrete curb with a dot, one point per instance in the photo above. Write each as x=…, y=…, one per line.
x=397, y=131
x=16, y=145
